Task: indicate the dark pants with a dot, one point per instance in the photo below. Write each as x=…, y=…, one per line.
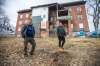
x=61, y=41
x=32, y=42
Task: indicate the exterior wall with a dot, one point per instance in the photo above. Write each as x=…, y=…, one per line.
x=43, y=13
x=85, y=21
x=78, y=13
x=21, y=20
x=79, y=19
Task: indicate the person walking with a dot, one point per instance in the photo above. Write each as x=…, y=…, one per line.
x=28, y=33
x=61, y=33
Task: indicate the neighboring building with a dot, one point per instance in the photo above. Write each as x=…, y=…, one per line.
x=45, y=18
x=23, y=17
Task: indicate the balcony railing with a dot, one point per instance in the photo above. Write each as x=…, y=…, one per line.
x=65, y=17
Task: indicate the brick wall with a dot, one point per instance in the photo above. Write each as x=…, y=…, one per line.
x=21, y=20
x=78, y=14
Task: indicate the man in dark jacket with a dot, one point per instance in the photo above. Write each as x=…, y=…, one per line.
x=28, y=34
x=61, y=33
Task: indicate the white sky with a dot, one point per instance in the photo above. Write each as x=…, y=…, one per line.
x=12, y=6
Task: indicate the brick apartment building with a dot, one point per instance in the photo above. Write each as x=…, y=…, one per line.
x=45, y=18
x=23, y=17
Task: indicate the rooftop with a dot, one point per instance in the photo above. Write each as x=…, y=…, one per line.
x=52, y=4
x=67, y=4
x=25, y=10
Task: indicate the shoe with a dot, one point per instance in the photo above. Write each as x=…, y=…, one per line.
x=31, y=53
x=26, y=55
x=61, y=49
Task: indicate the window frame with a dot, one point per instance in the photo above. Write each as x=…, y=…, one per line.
x=21, y=16
x=19, y=29
x=79, y=18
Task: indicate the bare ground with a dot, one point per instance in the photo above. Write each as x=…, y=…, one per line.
x=77, y=52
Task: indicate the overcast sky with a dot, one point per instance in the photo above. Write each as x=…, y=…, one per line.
x=13, y=6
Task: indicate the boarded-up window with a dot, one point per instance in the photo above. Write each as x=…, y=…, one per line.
x=81, y=25
x=27, y=15
x=79, y=17
x=19, y=29
x=20, y=22
x=26, y=21
x=21, y=16
x=43, y=24
x=79, y=9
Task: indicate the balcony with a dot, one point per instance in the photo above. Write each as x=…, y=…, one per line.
x=65, y=17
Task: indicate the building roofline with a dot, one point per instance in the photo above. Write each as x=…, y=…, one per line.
x=74, y=3
x=67, y=4
x=44, y=5
x=25, y=10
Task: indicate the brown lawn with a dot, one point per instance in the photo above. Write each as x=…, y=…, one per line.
x=77, y=52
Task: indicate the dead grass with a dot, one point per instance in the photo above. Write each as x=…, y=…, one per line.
x=77, y=52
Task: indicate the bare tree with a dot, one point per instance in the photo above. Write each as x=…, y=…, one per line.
x=94, y=11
